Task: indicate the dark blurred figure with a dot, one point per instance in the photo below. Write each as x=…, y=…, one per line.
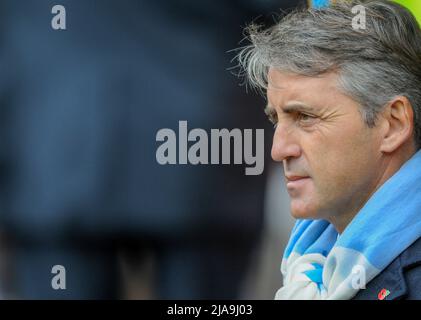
x=80, y=110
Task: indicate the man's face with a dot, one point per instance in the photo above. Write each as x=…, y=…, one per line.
x=331, y=159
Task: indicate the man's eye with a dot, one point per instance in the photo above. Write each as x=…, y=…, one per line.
x=306, y=118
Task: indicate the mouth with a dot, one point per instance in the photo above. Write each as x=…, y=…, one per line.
x=294, y=182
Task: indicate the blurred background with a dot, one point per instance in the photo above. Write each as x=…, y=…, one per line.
x=79, y=182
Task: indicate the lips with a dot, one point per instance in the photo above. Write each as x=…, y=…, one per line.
x=295, y=182
x=294, y=178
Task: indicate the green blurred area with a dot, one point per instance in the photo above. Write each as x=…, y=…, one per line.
x=414, y=6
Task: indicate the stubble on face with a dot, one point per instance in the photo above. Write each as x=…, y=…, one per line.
x=338, y=152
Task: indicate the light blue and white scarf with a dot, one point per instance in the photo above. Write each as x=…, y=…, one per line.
x=319, y=264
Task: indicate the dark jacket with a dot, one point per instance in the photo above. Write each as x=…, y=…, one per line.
x=402, y=278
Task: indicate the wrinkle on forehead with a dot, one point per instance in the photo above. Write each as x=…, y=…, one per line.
x=313, y=91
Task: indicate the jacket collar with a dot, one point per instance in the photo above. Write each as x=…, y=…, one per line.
x=390, y=284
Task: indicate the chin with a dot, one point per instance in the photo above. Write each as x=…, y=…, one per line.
x=303, y=211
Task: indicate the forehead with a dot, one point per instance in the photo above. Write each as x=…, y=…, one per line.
x=284, y=87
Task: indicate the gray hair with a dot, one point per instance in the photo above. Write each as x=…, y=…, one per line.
x=374, y=64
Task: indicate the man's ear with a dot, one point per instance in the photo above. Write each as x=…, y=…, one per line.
x=399, y=116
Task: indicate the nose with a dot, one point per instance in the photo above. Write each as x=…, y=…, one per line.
x=284, y=145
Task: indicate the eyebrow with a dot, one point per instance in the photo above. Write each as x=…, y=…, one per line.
x=297, y=106
x=292, y=107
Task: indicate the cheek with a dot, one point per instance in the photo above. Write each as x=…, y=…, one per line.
x=340, y=164
x=339, y=146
